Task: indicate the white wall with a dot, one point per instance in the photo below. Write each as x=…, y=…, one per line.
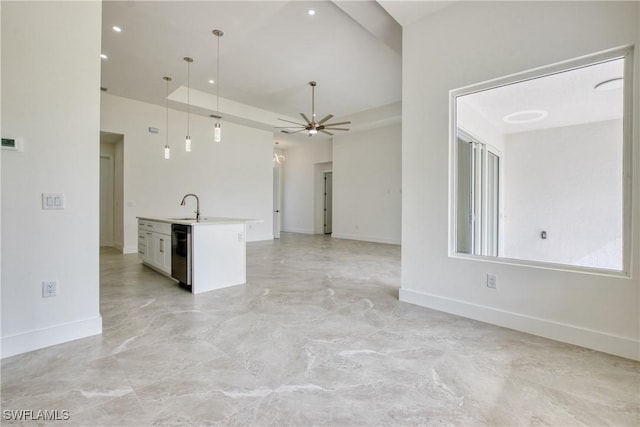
x=367, y=197
x=471, y=42
x=299, y=175
x=50, y=97
x=471, y=121
x=568, y=182
x=232, y=179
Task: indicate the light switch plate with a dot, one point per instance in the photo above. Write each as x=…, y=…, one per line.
x=52, y=201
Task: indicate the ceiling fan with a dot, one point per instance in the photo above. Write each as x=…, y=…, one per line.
x=312, y=126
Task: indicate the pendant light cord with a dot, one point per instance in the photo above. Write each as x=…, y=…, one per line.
x=218, y=78
x=167, y=111
x=188, y=98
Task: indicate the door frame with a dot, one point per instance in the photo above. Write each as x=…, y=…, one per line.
x=109, y=209
x=328, y=212
x=277, y=200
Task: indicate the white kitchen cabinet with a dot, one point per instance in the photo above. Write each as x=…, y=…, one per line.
x=154, y=245
x=162, y=252
x=218, y=254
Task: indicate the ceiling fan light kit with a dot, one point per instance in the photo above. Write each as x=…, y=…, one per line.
x=312, y=127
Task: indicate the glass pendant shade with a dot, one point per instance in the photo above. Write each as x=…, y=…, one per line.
x=167, y=152
x=217, y=131
x=187, y=144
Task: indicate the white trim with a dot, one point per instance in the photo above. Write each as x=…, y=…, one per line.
x=298, y=230
x=373, y=239
x=131, y=249
x=45, y=337
x=596, y=340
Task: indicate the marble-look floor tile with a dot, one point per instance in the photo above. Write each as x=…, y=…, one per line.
x=317, y=336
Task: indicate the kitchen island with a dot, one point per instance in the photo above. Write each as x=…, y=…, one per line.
x=203, y=255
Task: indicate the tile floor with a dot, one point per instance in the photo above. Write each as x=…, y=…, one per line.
x=317, y=336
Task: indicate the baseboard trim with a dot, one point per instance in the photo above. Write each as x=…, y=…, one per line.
x=365, y=238
x=297, y=230
x=46, y=337
x=130, y=250
x=583, y=337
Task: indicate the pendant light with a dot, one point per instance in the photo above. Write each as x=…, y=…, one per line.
x=167, y=150
x=187, y=141
x=217, y=131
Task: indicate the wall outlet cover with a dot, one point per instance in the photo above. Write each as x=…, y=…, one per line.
x=492, y=281
x=49, y=288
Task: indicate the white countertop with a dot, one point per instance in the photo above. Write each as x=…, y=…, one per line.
x=204, y=220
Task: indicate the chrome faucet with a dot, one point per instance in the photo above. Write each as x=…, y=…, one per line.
x=182, y=203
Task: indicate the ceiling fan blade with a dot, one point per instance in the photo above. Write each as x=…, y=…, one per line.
x=327, y=128
x=289, y=127
x=324, y=131
x=306, y=118
x=295, y=123
x=338, y=123
x=325, y=119
x=291, y=133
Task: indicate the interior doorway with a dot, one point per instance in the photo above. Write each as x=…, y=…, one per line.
x=328, y=202
x=106, y=200
x=112, y=190
x=277, y=200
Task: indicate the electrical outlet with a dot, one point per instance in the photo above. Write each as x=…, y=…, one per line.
x=49, y=288
x=492, y=281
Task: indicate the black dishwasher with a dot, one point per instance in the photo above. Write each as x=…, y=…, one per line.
x=181, y=254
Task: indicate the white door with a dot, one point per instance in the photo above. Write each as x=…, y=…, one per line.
x=277, y=205
x=106, y=201
x=328, y=205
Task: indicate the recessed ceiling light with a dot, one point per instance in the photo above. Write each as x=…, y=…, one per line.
x=311, y=12
x=526, y=116
x=103, y=56
x=117, y=29
x=610, y=84
x=212, y=81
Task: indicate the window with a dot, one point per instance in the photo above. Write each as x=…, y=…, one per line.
x=541, y=166
x=479, y=200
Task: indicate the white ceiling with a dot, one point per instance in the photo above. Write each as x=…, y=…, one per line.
x=568, y=97
x=268, y=54
x=408, y=12
x=272, y=49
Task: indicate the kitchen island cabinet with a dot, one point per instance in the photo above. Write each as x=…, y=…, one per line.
x=217, y=250
x=154, y=245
